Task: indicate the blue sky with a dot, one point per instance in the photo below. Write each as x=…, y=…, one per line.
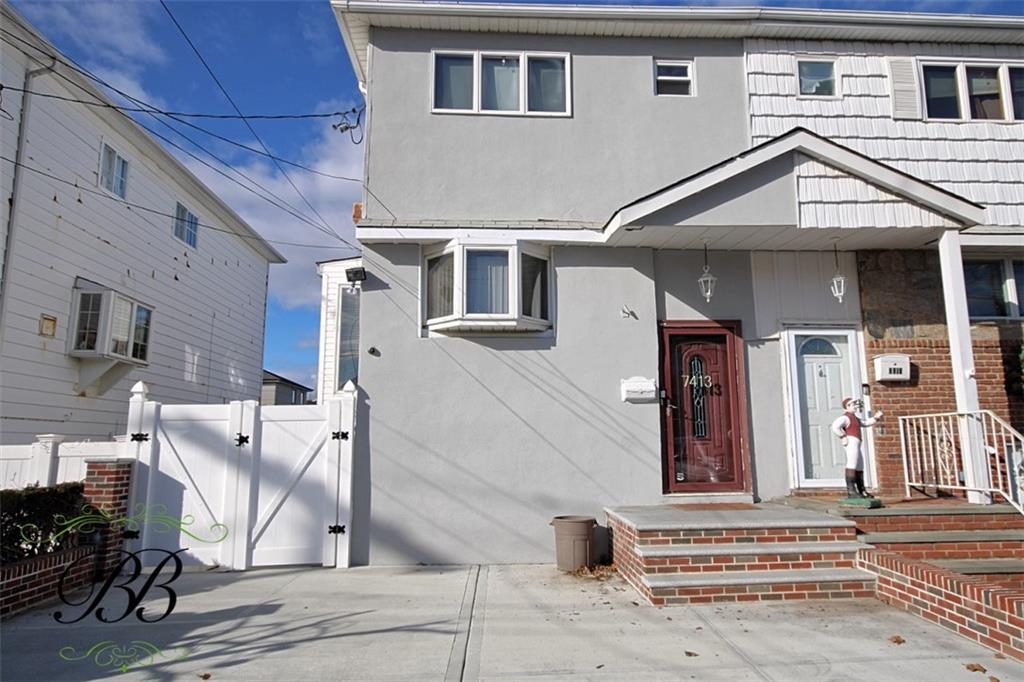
x=280, y=57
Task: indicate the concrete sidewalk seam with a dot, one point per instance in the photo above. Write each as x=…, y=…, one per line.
x=457, y=657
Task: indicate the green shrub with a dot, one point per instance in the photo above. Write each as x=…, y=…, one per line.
x=37, y=520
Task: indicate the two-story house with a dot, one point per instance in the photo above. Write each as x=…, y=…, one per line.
x=640, y=255
x=118, y=264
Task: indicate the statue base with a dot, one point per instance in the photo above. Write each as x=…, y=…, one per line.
x=861, y=502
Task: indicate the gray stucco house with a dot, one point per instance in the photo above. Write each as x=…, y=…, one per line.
x=637, y=255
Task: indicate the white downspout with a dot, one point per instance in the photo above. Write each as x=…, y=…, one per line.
x=5, y=274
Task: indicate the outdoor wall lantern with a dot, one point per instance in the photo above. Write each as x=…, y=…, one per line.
x=838, y=285
x=706, y=282
x=355, y=278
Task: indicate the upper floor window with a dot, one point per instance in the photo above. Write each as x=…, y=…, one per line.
x=111, y=325
x=186, y=225
x=975, y=91
x=486, y=287
x=995, y=287
x=673, y=77
x=817, y=77
x=525, y=83
x=113, y=171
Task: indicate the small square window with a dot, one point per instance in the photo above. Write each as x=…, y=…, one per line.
x=186, y=226
x=817, y=78
x=113, y=172
x=673, y=77
x=985, y=294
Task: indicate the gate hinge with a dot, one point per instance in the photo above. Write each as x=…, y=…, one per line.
x=335, y=530
x=241, y=440
x=139, y=437
x=339, y=435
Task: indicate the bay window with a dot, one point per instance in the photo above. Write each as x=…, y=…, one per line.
x=519, y=83
x=109, y=325
x=469, y=286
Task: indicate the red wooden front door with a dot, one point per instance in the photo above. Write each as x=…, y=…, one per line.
x=700, y=412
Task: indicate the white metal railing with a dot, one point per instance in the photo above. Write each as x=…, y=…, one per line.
x=933, y=456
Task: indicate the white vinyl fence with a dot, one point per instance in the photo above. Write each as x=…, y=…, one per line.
x=237, y=485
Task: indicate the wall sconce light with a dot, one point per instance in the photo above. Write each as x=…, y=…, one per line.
x=838, y=284
x=355, y=277
x=707, y=281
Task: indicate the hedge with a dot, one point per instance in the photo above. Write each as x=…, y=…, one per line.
x=35, y=520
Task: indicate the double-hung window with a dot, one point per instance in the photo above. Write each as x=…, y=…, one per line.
x=113, y=171
x=995, y=287
x=481, y=82
x=186, y=225
x=673, y=77
x=977, y=91
x=470, y=286
x=108, y=324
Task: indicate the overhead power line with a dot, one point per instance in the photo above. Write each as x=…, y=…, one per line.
x=154, y=211
x=248, y=125
x=183, y=114
x=283, y=205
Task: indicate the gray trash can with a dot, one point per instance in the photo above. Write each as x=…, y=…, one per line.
x=574, y=541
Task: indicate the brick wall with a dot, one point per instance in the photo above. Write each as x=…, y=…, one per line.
x=986, y=612
x=30, y=582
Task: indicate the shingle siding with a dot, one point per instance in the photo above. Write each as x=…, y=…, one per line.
x=978, y=160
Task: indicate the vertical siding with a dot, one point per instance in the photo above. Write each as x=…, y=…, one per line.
x=208, y=324
x=978, y=160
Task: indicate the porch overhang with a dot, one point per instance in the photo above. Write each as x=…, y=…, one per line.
x=798, y=191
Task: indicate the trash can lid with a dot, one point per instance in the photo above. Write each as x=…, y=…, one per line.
x=574, y=519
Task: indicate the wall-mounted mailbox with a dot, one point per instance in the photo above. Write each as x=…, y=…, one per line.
x=639, y=390
x=892, y=367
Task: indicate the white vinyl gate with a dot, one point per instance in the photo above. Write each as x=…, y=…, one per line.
x=251, y=485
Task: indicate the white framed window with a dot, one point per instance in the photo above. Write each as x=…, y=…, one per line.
x=674, y=77
x=974, y=90
x=186, y=225
x=113, y=171
x=817, y=78
x=470, y=285
x=995, y=287
x=108, y=324
x=501, y=83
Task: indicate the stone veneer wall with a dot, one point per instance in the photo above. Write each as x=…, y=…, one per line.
x=901, y=300
x=31, y=582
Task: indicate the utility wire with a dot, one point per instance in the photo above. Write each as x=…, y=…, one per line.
x=183, y=114
x=152, y=110
x=147, y=209
x=291, y=210
x=238, y=111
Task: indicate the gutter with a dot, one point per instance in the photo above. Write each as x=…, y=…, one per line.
x=5, y=275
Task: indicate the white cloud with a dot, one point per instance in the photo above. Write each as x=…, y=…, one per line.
x=129, y=83
x=296, y=284
x=110, y=32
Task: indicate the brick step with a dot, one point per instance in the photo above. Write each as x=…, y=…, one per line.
x=708, y=536
x=935, y=517
x=750, y=556
x=697, y=588
x=982, y=566
x=975, y=544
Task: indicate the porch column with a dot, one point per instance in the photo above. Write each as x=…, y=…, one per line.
x=961, y=353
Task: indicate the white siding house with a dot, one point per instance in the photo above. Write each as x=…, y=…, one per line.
x=104, y=226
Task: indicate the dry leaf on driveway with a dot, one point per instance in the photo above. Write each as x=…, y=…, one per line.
x=692, y=653
x=896, y=639
x=975, y=667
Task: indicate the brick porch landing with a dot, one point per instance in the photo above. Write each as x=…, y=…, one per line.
x=677, y=555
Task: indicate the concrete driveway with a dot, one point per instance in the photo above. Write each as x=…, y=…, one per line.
x=486, y=623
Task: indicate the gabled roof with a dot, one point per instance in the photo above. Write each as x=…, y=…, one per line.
x=801, y=140
x=356, y=17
